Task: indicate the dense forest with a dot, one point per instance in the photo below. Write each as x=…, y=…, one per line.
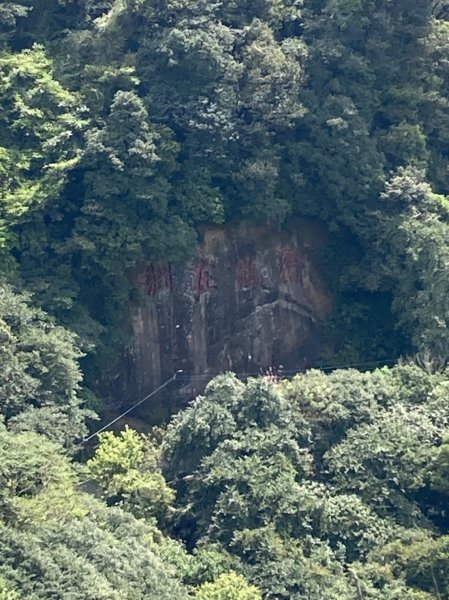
x=126, y=126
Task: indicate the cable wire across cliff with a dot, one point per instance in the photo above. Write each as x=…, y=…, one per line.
x=184, y=377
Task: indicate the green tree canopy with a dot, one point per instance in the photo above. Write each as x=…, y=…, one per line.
x=40, y=381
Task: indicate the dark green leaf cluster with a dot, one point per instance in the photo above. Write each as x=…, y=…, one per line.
x=167, y=115
x=329, y=486
x=58, y=542
x=40, y=379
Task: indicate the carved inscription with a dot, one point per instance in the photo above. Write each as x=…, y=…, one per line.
x=203, y=279
x=290, y=263
x=246, y=274
x=158, y=278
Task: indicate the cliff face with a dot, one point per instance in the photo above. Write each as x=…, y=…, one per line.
x=252, y=298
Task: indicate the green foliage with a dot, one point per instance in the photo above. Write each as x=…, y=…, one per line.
x=228, y=586
x=371, y=103
x=167, y=116
x=346, y=519
x=223, y=79
x=40, y=124
x=100, y=557
x=210, y=561
x=40, y=381
x=121, y=160
x=385, y=461
x=127, y=469
x=276, y=502
x=33, y=471
x=440, y=468
x=241, y=456
x=411, y=255
x=423, y=560
x=334, y=403
x=57, y=539
x=6, y=593
x=11, y=11
x=124, y=126
x=306, y=483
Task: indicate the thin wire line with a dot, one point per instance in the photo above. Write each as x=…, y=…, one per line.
x=181, y=375
x=131, y=408
x=188, y=376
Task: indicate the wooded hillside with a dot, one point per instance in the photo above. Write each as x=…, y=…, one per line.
x=125, y=126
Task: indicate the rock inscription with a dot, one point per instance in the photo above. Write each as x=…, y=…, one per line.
x=158, y=278
x=195, y=317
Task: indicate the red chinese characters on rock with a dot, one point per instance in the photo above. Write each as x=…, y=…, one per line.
x=158, y=278
x=203, y=280
x=290, y=264
x=247, y=274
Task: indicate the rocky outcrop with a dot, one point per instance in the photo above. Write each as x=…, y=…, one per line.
x=252, y=298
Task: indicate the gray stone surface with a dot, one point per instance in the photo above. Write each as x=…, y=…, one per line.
x=251, y=299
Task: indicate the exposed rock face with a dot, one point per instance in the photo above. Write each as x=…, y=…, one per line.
x=252, y=298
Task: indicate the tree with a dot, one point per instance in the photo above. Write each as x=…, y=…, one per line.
x=423, y=560
x=228, y=586
x=386, y=461
x=40, y=124
x=127, y=469
x=305, y=483
x=56, y=537
x=224, y=79
x=412, y=255
x=11, y=11
x=240, y=450
x=358, y=97
x=40, y=381
x=31, y=465
x=293, y=569
x=346, y=519
x=103, y=556
x=122, y=161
